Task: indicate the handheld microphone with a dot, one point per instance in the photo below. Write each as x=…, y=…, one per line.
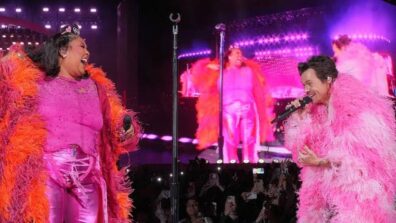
x=306, y=100
x=127, y=122
x=220, y=27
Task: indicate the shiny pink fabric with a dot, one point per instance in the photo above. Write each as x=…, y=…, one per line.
x=72, y=112
x=73, y=188
x=239, y=124
x=64, y=207
x=239, y=114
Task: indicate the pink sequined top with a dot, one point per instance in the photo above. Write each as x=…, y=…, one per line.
x=72, y=112
x=238, y=85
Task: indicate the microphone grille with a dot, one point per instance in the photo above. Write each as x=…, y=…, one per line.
x=127, y=122
x=306, y=100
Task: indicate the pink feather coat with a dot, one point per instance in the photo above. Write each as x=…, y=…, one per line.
x=356, y=133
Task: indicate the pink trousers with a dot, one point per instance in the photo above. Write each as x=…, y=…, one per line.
x=239, y=124
x=66, y=207
x=75, y=187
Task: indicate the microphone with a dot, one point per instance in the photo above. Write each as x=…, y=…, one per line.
x=220, y=27
x=127, y=122
x=306, y=100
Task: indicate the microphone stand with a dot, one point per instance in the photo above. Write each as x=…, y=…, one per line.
x=175, y=155
x=221, y=28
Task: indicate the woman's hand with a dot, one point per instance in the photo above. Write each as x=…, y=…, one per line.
x=126, y=137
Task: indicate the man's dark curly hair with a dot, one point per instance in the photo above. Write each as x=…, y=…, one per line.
x=324, y=67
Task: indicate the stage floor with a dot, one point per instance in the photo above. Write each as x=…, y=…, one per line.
x=161, y=153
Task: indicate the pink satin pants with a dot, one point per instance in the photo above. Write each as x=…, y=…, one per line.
x=239, y=123
x=66, y=207
x=74, y=187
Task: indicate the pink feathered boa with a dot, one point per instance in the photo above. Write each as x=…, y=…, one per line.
x=357, y=133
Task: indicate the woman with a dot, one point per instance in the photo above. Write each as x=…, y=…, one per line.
x=62, y=125
x=345, y=143
x=246, y=105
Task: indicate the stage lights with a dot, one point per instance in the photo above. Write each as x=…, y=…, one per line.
x=195, y=54
x=273, y=39
x=185, y=140
x=169, y=138
x=297, y=52
x=365, y=37
x=166, y=138
x=50, y=17
x=151, y=136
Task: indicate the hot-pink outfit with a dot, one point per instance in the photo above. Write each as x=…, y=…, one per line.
x=239, y=114
x=247, y=108
x=356, y=132
x=72, y=113
x=60, y=146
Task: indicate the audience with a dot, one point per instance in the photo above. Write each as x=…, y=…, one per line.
x=194, y=215
x=219, y=193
